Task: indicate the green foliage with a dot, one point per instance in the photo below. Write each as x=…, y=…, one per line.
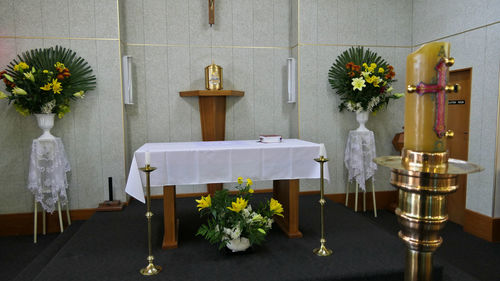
x=369, y=69
x=231, y=216
x=68, y=77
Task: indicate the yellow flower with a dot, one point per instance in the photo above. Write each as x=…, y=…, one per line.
x=79, y=94
x=249, y=182
x=261, y=230
x=251, y=191
x=239, y=205
x=29, y=76
x=381, y=70
x=21, y=110
x=21, y=66
x=376, y=81
x=8, y=77
x=63, y=109
x=45, y=71
x=18, y=91
x=240, y=180
x=365, y=65
x=56, y=86
x=276, y=207
x=60, y=66
x=47, y=87
x=204, y=202
x=2, y=95
x=358, y=83
x=366, y=74
x=370, y=79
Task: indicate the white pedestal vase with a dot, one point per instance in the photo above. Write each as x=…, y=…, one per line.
x=238, y=245
x=362, y=117
x=45, y=122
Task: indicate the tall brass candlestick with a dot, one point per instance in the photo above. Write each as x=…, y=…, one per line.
x=150, y=269
x=322, y=251
x=423, y=174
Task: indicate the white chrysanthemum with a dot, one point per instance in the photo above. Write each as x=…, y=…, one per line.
x=270, y=223
x=373, y=103
x=236, y=232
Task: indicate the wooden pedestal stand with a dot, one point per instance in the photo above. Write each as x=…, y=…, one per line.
x=213, y=117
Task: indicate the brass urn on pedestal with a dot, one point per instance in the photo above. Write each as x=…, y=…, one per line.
x=424, y=174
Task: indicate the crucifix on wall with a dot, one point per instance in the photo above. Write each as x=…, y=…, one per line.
x=211, y=12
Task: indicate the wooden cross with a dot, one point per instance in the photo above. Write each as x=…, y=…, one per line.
x=211, y=12
x=440, y=90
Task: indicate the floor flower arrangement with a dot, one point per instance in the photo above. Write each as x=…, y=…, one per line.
x=232, y=222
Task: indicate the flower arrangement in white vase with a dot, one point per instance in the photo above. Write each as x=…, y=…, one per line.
x=44, y=82
x=232, y=222
x=363, y=81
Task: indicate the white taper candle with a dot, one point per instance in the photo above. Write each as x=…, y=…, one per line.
x=322, y=150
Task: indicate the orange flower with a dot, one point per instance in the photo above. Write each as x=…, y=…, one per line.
x=390, y=75
x=356, y=68
x=351, y=74
x=349, y=65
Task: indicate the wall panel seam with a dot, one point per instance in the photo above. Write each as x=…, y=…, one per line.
x=458, y=33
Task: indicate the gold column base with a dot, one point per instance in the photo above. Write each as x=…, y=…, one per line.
x=322, y=251
x=150, y=269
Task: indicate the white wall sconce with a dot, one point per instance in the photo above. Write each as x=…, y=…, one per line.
x=292, y=80
x=128, y=97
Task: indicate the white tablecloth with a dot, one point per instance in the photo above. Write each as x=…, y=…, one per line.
x=47, y=173
x=358, y=157
x=185, y=163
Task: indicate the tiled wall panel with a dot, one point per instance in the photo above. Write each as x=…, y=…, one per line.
x=474, y=44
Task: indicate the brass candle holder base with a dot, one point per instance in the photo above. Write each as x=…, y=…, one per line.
x=423, y=180
x=150, y=269
x=322, y=251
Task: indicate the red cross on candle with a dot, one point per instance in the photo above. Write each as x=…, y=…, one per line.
x=440, y=90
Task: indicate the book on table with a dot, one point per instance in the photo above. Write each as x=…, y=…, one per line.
x=270, y=138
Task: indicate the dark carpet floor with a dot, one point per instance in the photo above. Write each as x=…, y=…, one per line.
x=464, y=256
x=112, y=246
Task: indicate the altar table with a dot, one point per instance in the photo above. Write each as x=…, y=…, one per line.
x=186, y=163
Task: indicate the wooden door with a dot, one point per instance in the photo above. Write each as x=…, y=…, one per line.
x=458, y=146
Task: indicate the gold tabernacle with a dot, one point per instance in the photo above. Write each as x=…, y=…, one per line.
x=424, y=174
x=213, y=77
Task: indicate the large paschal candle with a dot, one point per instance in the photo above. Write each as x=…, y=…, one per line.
x=426, y=103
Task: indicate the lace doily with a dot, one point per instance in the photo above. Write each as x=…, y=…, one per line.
x=47, y=174
x=358, y=158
